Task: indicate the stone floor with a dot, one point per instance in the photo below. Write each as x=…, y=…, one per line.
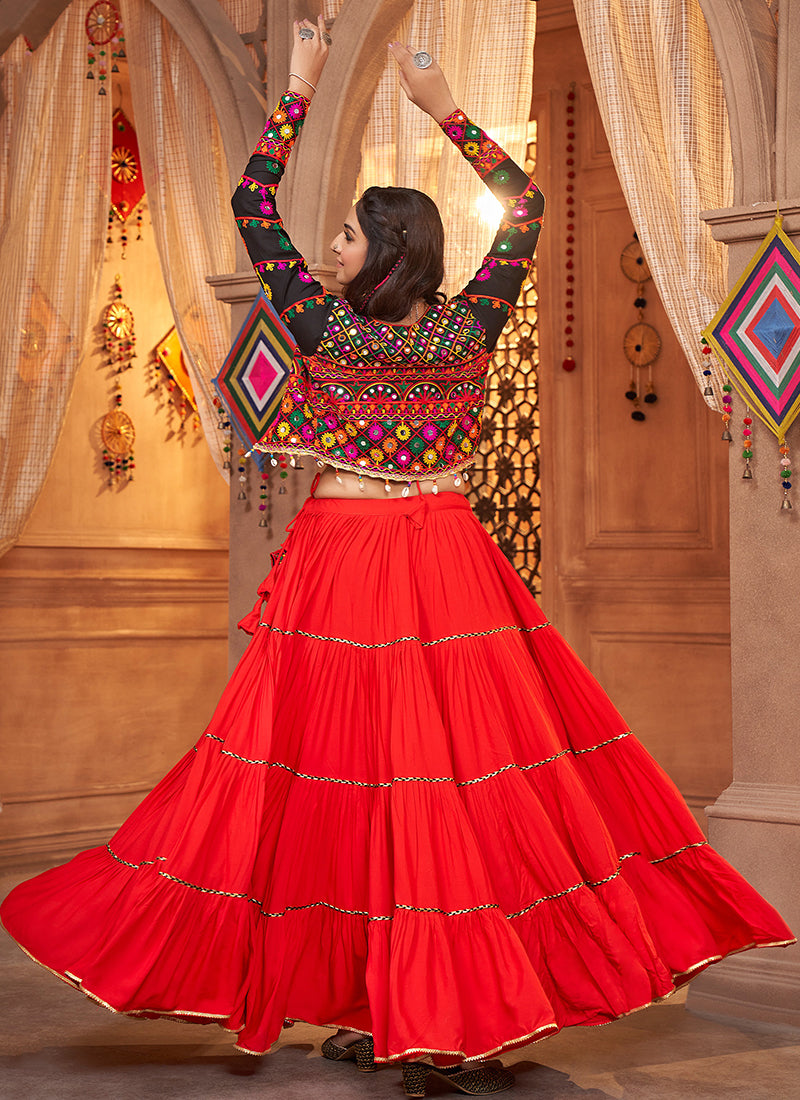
x=57, y=1045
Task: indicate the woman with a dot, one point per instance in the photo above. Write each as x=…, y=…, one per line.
x=414, y=816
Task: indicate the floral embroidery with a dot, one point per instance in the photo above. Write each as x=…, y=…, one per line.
x=375, y=398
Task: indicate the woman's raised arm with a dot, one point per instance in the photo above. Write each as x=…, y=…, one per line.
x=299, y=299
x=493, y=291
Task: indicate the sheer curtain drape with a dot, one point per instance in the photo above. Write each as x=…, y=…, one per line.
x=55, y=179
x=659, y=92
x=188, y=192
x=486, y=53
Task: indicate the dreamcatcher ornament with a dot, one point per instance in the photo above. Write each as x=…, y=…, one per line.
x=116, y=428
x=641, y=343
x=103, y=29
x=756, y=337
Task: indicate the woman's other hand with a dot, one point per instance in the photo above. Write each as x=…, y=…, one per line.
x=427, y=88
x=308, y=57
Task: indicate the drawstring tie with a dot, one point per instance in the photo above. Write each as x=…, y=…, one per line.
x=417, y=516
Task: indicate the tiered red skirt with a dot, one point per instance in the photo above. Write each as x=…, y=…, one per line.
x=414, y=813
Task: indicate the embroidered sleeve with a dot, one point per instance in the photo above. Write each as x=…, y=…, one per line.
x=493, y=291
x=300, y=300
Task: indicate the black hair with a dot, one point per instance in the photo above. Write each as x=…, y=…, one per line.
x=405, y=241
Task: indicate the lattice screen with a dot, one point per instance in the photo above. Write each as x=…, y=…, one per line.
x=505, y=481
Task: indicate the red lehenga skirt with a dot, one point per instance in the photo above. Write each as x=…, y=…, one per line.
x=414, y=813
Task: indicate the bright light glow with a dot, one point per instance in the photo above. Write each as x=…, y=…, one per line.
x=489, y=209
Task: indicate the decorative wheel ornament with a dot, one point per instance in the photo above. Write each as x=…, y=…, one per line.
x=118, y=319
x=118, y=433
x=641, y=343
x=102, y=22
x=103, y=26
x=124, y=166
x=634, y=265
x=116, y=427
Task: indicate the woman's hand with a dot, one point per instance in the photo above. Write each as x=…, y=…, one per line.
x=427, y=88
x=308, y=57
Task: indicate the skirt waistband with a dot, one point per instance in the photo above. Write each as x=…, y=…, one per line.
x=396, y=506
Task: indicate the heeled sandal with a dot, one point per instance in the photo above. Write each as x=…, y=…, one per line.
x=362, y=1050
x=480, y=1081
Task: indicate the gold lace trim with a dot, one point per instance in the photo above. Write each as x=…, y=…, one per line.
x=414, y=778
x=589, y=883
x=405, y=638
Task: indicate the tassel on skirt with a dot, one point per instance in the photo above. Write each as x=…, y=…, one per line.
x=414, y=814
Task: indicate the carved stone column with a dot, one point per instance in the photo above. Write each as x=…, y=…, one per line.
x=756, y=822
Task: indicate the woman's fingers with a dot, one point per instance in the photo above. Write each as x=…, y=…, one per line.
x=427, y=87
x=310, y=50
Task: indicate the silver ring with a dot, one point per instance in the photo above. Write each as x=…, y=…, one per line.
x=306, y=32
x=423, y=60
x=326, y=38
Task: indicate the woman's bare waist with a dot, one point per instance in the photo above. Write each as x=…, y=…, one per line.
x=344, y=483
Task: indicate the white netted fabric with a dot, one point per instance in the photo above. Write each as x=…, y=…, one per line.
x=188, y=190
x=55, y=180
x=490, y=72
x=659, y=91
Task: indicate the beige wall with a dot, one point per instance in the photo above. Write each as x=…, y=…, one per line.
x=113, y=605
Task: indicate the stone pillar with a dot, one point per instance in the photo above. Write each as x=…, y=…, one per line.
x=251, y=545
x=755, y=823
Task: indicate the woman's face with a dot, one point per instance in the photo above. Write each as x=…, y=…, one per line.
x=350, y=247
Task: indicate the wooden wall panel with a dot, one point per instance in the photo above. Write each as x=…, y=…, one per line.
x=635, y=537
x=112, y=662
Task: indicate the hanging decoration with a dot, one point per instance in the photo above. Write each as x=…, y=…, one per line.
x=174, y=377
x=568, y=363
x=641, y=343
x=747, y=446
x=251, y=382
x=116, y=427
x=756, y=336
x=127, y=184
x=261, y=462
x=103, y=29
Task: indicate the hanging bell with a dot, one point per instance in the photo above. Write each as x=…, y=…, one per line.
x=726, y=436
x=226, y=465
x=282, y=490
x=786, y=505
x=708, y=392
x=102, y=90
x=262, y=522
x=242, y=495
x=747, y=473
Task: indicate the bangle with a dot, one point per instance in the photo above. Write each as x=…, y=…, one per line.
x=308, y=82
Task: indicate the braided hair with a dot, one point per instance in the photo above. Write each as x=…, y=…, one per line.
x=405, y=253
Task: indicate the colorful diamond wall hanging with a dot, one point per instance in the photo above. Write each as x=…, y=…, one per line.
x=169, y=354
x=253, y=376
x=756, y=333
